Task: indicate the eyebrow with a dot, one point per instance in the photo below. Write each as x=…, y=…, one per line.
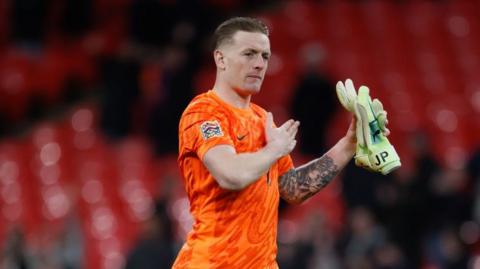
x=257, y=51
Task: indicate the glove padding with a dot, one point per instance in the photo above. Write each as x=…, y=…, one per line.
x=373, y=152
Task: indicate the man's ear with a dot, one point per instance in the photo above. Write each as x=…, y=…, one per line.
x=219, y=59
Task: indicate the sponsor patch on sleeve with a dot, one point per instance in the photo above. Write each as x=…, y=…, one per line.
x=211, y=129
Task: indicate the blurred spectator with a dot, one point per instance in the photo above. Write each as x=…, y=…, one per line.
x=314, y=103
x=154, y=23
x=3, y=125
x=319, y=238
x=76, y=17
x=473, y=166
x=120, y=79
x=363, y=236
x=15, y=254
x=151, y=21
x=155, y=248
x=444, y=249
x=177, y=90
x=68, y=248
x=360, y=187
x=450, y=202
x=312, y=247
x=473, y=169
x=406, y=201
x=28, y=21
x=180, y=64
x=389, y=256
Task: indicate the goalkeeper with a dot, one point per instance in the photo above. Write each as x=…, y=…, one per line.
x=236, y=163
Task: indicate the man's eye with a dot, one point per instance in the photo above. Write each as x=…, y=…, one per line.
x=249, y=54
x=266, y=57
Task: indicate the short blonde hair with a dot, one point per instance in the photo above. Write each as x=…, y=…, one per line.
x=225, y=31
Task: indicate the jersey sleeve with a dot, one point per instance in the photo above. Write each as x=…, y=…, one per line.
x=200, y=131
x=285, y=164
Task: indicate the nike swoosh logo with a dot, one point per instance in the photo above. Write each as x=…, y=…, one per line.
x=241, y=137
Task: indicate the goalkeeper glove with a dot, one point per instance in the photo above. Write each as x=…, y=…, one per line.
x=373, y=152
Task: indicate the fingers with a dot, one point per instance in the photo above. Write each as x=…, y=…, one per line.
x=342, y=95
x=291, y=127
x=359, y=128
x=294, y=129
x=346, y=94
x=281, y=139
x=353, y=125
x=364, y=124
x=287, y=124
x=350, y=88
x=377, y=105
x=386, y=132
x=269, y=125
x=351, y=132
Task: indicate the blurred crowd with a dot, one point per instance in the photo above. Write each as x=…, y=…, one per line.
x=425, y=217
x=142, y=59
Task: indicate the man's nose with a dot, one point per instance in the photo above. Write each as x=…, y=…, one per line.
x=260, y=63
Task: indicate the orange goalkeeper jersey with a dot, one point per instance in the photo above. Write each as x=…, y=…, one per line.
x=232, y=229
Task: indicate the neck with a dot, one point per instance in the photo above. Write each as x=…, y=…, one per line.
x=231, y=96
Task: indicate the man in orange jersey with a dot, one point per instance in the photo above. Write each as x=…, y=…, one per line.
x=235, y=162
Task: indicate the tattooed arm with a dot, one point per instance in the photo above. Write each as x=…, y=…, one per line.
x=303, y=182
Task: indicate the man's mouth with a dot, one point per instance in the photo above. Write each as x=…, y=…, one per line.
x=254, y=76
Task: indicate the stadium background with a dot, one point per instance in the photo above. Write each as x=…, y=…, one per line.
x=90, y=94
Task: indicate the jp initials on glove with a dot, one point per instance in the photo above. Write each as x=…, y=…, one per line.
x=373, y=152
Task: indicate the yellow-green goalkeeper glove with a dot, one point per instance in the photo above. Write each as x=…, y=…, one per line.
x=374, y=152
x=348, y=98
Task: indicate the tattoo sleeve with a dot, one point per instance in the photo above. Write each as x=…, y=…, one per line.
x=301, y=183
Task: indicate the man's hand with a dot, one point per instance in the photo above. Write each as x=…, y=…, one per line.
x=236, y=171
x=351, y=137
x=280, y=141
